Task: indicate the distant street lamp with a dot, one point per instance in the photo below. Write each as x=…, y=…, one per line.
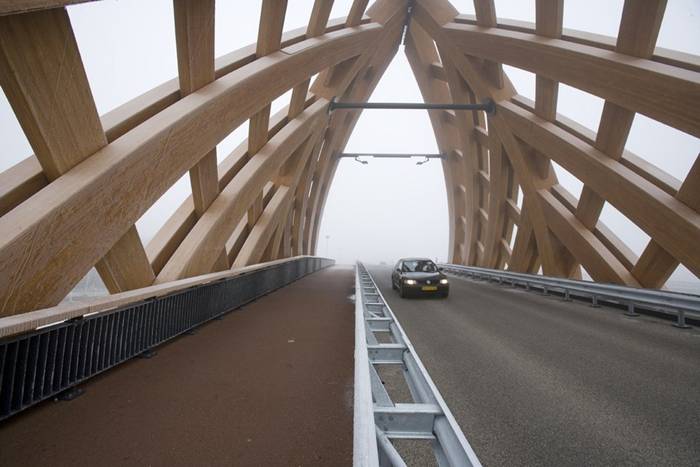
x=327, y=238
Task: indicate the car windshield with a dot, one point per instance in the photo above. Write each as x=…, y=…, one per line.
x=419, y=266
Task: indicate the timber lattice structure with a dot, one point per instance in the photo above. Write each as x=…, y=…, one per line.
x=74, y=203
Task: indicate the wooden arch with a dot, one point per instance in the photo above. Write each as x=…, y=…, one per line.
x=74, y=203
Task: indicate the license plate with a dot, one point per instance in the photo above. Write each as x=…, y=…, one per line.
x=429, y=288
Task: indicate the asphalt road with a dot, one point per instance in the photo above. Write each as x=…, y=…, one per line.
x=533, y=380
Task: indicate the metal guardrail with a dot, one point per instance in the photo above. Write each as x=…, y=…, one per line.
x=51, y=360
x=677, y=304
x=377, y=419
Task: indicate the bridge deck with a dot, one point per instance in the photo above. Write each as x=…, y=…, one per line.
x=533, y=380
x=270, y=384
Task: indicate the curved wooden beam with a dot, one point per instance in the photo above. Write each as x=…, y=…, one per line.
x=111, y=184
x=74, y=205
x=199, y=250
x=662, y=92
x=26, y=178
x=668, y=221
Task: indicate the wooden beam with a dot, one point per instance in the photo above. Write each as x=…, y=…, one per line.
x=317, y=26
x=194, y=34
x=44, y=80
x=533, y=173
x=639, y=29
x=43, y=77
x=486, y=17
x=586, y=248
x=421, y=54
x=198, y=251
x=661, y=55
x=644, y=169
x=656, y=264
x=357, y=10
x=170, y=235
x=269, y=41
x=277, y=210
x=19, y=182
x=144, y=163
x=662, y=92
x=549, y=18
x=26, y=178
x=356, y=85
x=12, y=7
x=668, y=221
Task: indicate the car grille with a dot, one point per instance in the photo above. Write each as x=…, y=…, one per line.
x=428, y=281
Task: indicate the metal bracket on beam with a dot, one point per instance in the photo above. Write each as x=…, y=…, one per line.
x=386, y=354
x=407, y=421
x=487, y=106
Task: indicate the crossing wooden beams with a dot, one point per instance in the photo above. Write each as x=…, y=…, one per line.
x=567, y=230
x=73, y=205
x=44, y=80
x=115, y=185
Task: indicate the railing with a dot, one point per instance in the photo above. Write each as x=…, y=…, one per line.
x=677, y=304
x=377, y=419
x=52, y=359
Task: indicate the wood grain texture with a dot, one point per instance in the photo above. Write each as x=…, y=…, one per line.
x=45, y=82
x=194, y=36
x=134, y=112
x=74, y=204
x=269, y=40
x=199, y=249
x=103, y=187
x=639, y=29
x=661, y=92
x=8, y=7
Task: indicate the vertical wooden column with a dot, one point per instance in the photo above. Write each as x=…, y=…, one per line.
x=194, y=35
x=42, y=74
x=639, y=29
x=269, y=40
x=549, y=19
x=486, y=16
x=357, y=10
x=317, y=26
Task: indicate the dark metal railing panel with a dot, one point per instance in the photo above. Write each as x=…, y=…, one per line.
x=43, y=363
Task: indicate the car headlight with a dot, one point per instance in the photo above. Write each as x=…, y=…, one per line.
x=409, y=282
x=443, y=281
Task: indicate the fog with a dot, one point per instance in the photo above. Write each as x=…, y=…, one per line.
x=387, y=208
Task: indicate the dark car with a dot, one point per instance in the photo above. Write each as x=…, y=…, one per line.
x=414, y=276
